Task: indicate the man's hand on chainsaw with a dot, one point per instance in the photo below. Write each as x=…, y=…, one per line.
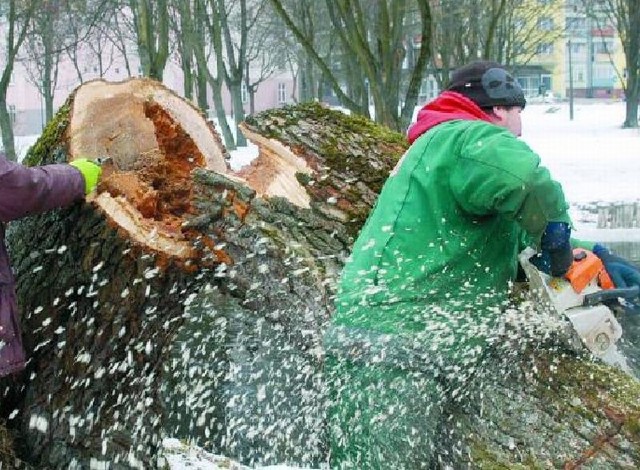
x=556, y=254
x=622, y=272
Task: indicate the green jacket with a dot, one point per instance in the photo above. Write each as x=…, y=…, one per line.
x=447, y=227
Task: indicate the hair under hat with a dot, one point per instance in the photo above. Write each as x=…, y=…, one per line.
x=487, y=84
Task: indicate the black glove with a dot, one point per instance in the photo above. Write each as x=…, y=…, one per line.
x=556, y=254
x=622, y=272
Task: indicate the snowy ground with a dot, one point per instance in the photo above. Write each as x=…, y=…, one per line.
x=181, y=456
x=593, y=158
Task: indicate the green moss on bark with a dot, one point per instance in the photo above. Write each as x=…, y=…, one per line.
x=51, y=146
x=351, y=155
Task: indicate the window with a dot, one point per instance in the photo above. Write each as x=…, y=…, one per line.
x=578, y=48
x=545, y=24
x=604, y=74
x=428, y=89
x=282, y=93
x=603, y=47
x=12, y=113
x=577, y=25
x=544, y=48
x=244, y=96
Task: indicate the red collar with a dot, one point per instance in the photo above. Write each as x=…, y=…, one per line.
x=448, y=106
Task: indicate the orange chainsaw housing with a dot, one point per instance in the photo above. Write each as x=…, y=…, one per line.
x=585, y=267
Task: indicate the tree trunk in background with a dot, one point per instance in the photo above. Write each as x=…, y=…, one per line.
x=238, y=110
x=188, y=81
x=221, y=113
x=6, y=129
x=182, y=284
x=201, y=91
x=151, y=21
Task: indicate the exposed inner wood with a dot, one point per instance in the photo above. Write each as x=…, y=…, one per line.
x=155, y=237
x=154, y=140
x=273, y=173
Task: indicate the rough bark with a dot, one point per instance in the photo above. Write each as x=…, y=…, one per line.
x=103, y=285
x=186, y=287
x=540, y=403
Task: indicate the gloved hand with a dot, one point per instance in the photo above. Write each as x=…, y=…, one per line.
x=91, y=172
x=555, y=255
x=622, y=272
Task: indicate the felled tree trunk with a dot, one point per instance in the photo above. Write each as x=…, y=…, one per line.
x=248, y=368
x=185, y=286
x=103, y=285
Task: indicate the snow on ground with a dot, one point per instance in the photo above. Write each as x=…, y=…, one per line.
x=181, y=456
x=592, y=156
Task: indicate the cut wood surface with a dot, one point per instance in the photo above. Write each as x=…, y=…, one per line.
x=187, y=299
x=103, y=285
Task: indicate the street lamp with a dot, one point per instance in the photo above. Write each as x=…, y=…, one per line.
x=570, y=82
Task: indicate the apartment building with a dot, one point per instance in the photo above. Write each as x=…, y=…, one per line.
x=585, y=55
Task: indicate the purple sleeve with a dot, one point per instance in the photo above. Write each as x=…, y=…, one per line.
x=28, y=190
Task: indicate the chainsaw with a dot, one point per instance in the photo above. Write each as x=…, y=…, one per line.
x=585, y=296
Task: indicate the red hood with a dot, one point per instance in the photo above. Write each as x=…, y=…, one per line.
x=448, y=106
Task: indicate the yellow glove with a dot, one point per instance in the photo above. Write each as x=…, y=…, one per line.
x=90, y=171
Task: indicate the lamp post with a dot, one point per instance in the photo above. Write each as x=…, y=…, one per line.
x=570, y=82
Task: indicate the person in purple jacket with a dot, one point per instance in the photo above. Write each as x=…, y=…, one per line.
x=25, y=191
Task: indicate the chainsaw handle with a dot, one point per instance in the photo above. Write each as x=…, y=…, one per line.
x=610, y=294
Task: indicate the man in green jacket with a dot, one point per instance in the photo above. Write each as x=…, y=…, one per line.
x=422, y=294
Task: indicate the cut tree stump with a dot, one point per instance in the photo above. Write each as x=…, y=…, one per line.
x=103, y=285
x=190, y=300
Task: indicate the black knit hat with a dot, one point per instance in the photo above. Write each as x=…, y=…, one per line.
x=487, y=84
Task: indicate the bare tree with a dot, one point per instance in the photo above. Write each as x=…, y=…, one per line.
x=181, y=24
x=373, y=46
x=19, y=15
x=209, y=62
x=312, y=18
x=120, y=31
x=507, y=31
x=46, y=41
x=234, y=14
x=91, y=32
x=625, y=15
x=59, y=28
x=151, y=19
x=260, y=61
